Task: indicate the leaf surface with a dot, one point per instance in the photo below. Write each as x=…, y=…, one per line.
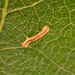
x=53, y=54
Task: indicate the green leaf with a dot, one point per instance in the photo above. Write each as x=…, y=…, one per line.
x=54, y=53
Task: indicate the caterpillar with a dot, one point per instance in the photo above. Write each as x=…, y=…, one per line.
x=44, y=30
